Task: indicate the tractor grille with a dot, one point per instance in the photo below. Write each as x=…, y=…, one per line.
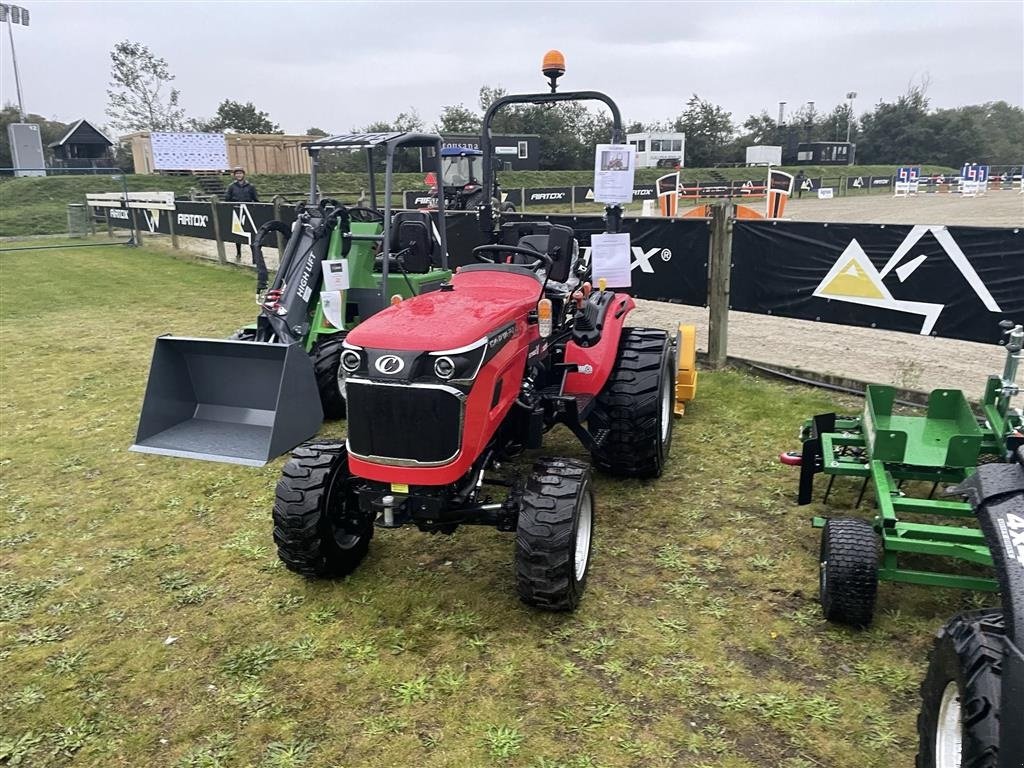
x=403, y=423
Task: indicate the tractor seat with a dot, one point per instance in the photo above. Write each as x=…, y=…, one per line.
x=414, y=249
x=559, y=243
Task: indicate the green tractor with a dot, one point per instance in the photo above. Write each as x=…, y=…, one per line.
x=211, y=399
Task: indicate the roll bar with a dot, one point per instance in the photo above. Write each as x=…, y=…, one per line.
x=613, y=212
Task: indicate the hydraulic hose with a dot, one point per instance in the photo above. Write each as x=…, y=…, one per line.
x=262, y=275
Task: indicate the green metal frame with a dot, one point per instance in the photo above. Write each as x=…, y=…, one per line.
x=943, y=446
x=361, y=257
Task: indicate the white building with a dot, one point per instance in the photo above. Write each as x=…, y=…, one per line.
x=658, y=150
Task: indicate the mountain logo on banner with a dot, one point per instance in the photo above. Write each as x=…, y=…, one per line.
x=152, y=219
x=242, y=223
x=856, y=277
x=855, y=280
x=590, y=194
x=857, y=183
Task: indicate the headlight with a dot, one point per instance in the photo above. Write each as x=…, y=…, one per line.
x=444, y=367
x=351, y=360
x=460, y=364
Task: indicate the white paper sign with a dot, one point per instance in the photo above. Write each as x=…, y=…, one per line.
x=335, y=275
x=825, y=193
x=332, y=306
x=609, y=258
x=189, y=151
x=613, y=173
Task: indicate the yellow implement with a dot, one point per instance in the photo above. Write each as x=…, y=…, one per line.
x=686, y=366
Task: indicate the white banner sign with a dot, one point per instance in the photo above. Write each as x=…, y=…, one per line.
x=825, y=193
x=189, y=151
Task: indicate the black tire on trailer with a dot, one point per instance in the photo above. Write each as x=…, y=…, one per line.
x=554, y=534
x=243, y=334
x=632, y=415
x=508, y=208
x=958, y=724
x=848, y=571
x=318, y=528
x=326, y=355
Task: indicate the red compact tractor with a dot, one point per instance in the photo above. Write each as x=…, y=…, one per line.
x=445, y=387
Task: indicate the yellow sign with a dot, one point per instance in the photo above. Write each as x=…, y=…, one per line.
x=852, y=280
x=399, y=488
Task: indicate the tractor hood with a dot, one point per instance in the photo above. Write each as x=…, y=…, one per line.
x=478, y=303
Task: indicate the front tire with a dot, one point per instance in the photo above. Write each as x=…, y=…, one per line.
x=848, y=571
x=326, y=355
x=633, y=413
x=554, y=535
x=318, y=528
x=958, y=724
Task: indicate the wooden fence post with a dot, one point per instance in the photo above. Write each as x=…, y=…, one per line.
x=719, y=273
x=174, y=233
x=216, y=232
x=135, y=226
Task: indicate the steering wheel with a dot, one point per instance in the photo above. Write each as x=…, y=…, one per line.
x=365, y=214
x=539, y=259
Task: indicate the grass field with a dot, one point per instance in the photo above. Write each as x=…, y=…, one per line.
x=36, y=206
x=146, y=620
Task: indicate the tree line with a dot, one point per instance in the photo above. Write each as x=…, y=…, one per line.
x=906, y=130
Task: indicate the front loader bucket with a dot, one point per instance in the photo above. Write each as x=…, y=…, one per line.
x=240, y=402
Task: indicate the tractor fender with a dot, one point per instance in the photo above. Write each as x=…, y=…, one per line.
x=594, y=363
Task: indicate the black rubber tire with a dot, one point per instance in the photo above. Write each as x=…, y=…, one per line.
x=848, y=571
x=556, y=493
x=243, y=334
x=508, y=208
x=318, y=528
x=967, y=652
x=631, y=406
x=326, y=354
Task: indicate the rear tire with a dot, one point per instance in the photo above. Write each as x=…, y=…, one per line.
x=958, y=724
x=636, y=406
x=318, y=528
x=848, y=571
x=554, y=535
x=326, y=354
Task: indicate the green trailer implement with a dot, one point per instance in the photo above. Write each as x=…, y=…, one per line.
x=901, y=457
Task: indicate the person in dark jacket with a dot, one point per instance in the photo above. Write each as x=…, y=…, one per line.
x=240, y=191
x=798, y=184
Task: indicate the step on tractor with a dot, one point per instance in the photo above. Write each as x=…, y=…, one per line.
x=446, y=389
x=972, y=696
x=267, y=388
x=901, y=457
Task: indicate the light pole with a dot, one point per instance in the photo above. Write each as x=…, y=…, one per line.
x=14, y=14
x=849, y=115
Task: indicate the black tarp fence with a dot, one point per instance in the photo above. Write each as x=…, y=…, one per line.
x=953, y=282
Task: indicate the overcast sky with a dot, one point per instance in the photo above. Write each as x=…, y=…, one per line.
x=341, y=65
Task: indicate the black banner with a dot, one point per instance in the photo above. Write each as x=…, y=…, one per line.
x=548, y=195
x=239, y=222
x=953, y=282
x=669, y=256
